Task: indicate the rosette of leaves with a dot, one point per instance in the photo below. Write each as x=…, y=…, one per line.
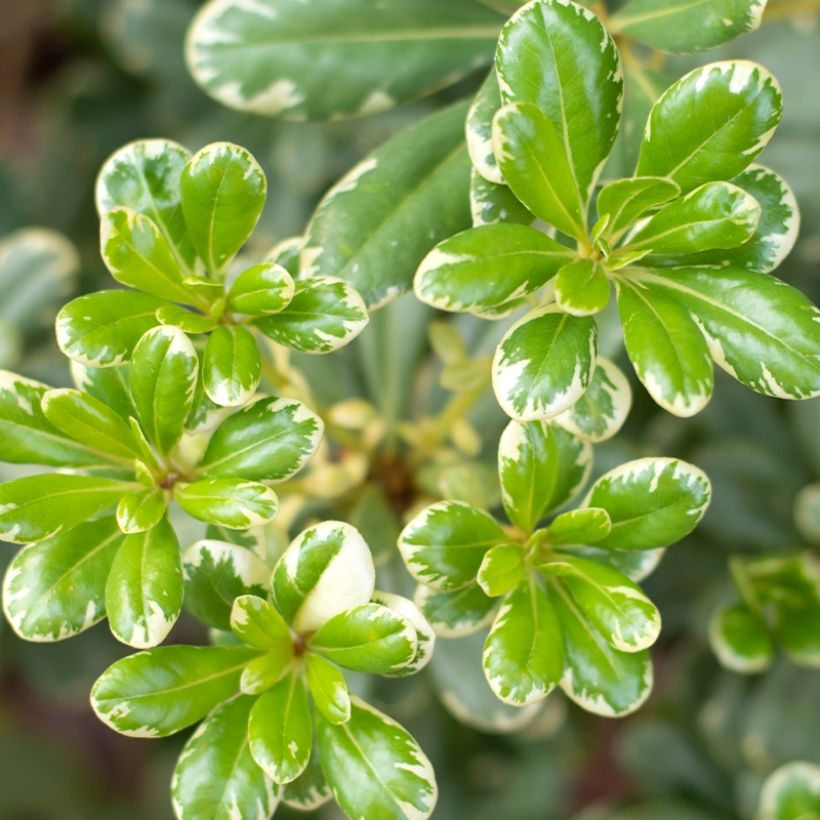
x=279, y=720
x=688, y=242
x=172, y=225
x=97, y=531
x=562, y=596
x=779, y=604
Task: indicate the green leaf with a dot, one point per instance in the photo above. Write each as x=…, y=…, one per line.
x=185, y=319
x=479, y=130
x=540, y=468
x=694, y=25
x=140, y=510
x=367, y=638
x=559, y=56
x=216, y=776
x=261, y=290
x=666, y=347
x=485, y=267
x=267, y=670
x=585, y=526
x=740, y=639
x=222, y=192
x=328, y=689
x=544, y=363
x=41, y=506
x=425, y=636
x=110, y=385
x=163, y=378
x=310, y=790
x=599, y=678
x=396, y=204
x=491, y=203
x=144, y=176
x=216, y=573
x=635, y=564
x=615, y=606
x=143, y=594
x=455, y=613
x=710, y=124
x=28, y=437
x=444, y=545
x=262, y=57
x=652, y=502
x=375, y=767
x=56, y=588
x=90, y=423
x=163, y=690
x=523, y=654
x=715, y=215
x=280, y=730
x=791, y=792
x=258, y=624
x=501, y=570
x=760, y=330
x=624, y=201
x=102, y=328
x=326, y=570
x=324, y=315
x=228, y=502
x=601, y=412
x=534, y=162
x=582, y=288
x=269, y=440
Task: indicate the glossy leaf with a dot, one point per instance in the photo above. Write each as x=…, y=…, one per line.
x=585, y=526
x=328, y=689
x=261, y=290
x=791, y=792
x=479, y=129
x=140, y=510
x=425, y=636
x=107, y=384
x=491, y=203
x=228, y=502
x=501, y=570
x=456, y=613
x=267, y=670
x=740, y=639
x=624, y=201
x=257, y=623
x=582, y=288
x=231, y=367
x=310, y=790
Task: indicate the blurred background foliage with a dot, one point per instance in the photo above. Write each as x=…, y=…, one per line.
x=82, y=77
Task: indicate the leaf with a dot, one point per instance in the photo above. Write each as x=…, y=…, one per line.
x=599, y=678
x=456, y=613
x=582, y=288
x=666, y=347
x=228, y=502
x=635, y=564
x=444, y=545
x=501, y=570
x=585, y=526
x=144, y=177
x=269, y=440
x=540, y=468
x=523, y=654
x=222, y=192
x=615, y=606
x=652, y=502
x=143, y=594
x=715, y=215
x=740, y=639
x=258, y=624
x=160, y=691
x=601, y=412
x=185, y=319
x=544, y=363
x=367, y=638
x=672, y=27
x=216, y=776
x=710, y=124
x=216, y=573
x=375, y=767
x=90, y=423
x=107, y=384
x=324, y=315
x=485, y=267
x=56, y=588
x=280, y=730
x=262, y=57
x=560, y=57
x=328, y=689
x=267, y=670
x=534, y=163
x=41, y=506
x=479, y=129
x=163, y=377
x=395, y=204
x=624, y=201
x=491, y=203
x=261, y=290
x=310, y=790
x=102, y=328
x=425, y=636
x=760, y=330
x=326, y=570
x=28, y=437
x=140, y=510
x=791, y=792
